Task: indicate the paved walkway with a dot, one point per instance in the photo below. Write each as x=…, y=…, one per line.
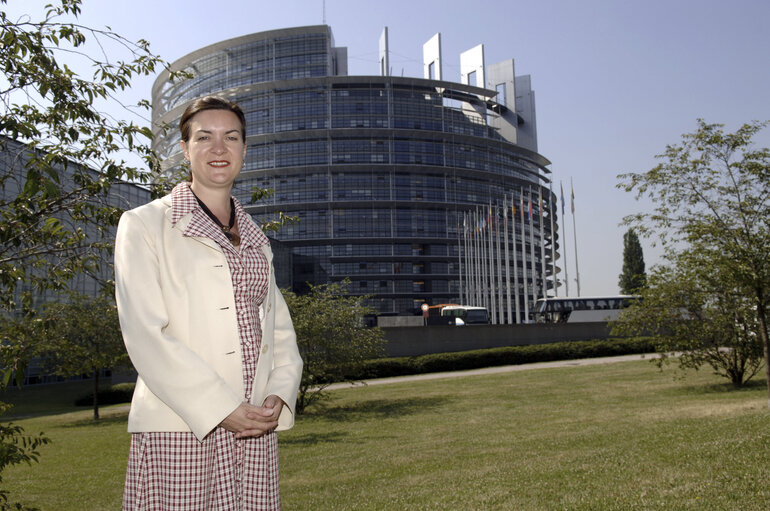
x=494, y=370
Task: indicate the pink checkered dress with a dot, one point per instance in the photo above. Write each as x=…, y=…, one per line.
x=174, y=471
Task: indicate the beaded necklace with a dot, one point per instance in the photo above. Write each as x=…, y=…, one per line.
x=227, y=229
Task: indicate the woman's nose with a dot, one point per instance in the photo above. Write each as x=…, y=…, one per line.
x=218, y=146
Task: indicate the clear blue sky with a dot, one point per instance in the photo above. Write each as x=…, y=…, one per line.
x=615, y=80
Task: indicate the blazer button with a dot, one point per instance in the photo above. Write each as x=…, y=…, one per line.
x=268, y=306
x=264, y=348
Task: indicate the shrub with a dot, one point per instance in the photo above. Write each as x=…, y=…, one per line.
x=118, y=393
x=510, y=355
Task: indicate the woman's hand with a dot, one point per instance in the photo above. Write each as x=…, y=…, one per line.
x=254, y=421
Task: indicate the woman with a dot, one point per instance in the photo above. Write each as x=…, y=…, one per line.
x=208, y=333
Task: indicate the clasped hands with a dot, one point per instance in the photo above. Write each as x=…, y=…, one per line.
x=254, y=421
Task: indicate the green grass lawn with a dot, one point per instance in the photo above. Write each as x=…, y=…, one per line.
x=617, y=436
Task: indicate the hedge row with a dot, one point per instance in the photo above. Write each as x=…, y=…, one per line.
x=511, y=355
x=115, y=394
x=456, y=361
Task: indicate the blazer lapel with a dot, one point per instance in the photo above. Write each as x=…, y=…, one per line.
x=189, y=229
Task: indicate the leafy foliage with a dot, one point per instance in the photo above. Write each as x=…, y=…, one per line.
x=494, y=357
x=60, y=156
x=278, y=220
x=692, y=314
x=82, y=336
x=54, y=210
x=711, y=196
x=115, y=394
x=15, y=448
x=331, y=336
x=633, y=276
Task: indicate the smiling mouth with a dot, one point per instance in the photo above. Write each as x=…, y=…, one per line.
x=219, y=163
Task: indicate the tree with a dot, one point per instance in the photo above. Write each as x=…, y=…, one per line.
x=15, y=445
x=54, y=213
x=331, y=336
x=711, y=213
x=82, y=336
x=694, y=314
x=278, y=220
x=15, y=448
x=633, y=277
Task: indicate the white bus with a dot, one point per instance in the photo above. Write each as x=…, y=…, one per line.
x=455, y=314
x=466, y=314
x=581, y=309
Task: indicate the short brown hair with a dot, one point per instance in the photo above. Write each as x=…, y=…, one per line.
x=209, y=103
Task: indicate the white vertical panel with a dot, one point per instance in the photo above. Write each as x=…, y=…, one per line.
x=431, y=54
x=384, y=60
x=472, y=61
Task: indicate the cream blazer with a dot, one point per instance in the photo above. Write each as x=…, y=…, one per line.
x=178, y=317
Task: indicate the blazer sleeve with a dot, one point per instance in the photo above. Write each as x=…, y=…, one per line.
x=286, y=373
x=174, y=373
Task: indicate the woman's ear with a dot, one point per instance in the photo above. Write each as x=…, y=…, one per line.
x=183, y=145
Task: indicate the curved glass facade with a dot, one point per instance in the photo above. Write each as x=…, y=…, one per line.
x=390, y=177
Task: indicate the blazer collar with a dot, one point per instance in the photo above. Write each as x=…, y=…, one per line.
x=184, y=213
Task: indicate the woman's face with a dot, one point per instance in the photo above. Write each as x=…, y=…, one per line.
x=215, y=149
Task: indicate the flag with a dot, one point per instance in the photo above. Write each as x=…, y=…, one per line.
x=562, y=198
x=572, y=196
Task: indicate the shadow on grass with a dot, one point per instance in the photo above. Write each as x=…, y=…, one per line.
x=56, y=412
x=375, y=409
x=725, y=386
x=104, y=421
x=312, y=439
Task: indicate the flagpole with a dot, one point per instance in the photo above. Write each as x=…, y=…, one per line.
x=468, y=269
x=532, y=250
x=574, y=235
x=474, y=226
x=515, y=261
x=564, y=245
x=500, y=305
x=480, y=285
x=464, y=295
x=491, y=262
x=524, y=257
x=459, y=259
x=484, y=262
x=543, y=278
x=509, y=317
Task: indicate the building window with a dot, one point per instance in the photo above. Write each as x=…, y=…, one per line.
x=472, y=78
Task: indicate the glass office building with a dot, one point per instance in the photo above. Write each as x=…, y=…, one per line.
x=395, y=180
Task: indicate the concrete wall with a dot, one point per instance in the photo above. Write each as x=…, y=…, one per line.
x=397, y=321
x=414, y=341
